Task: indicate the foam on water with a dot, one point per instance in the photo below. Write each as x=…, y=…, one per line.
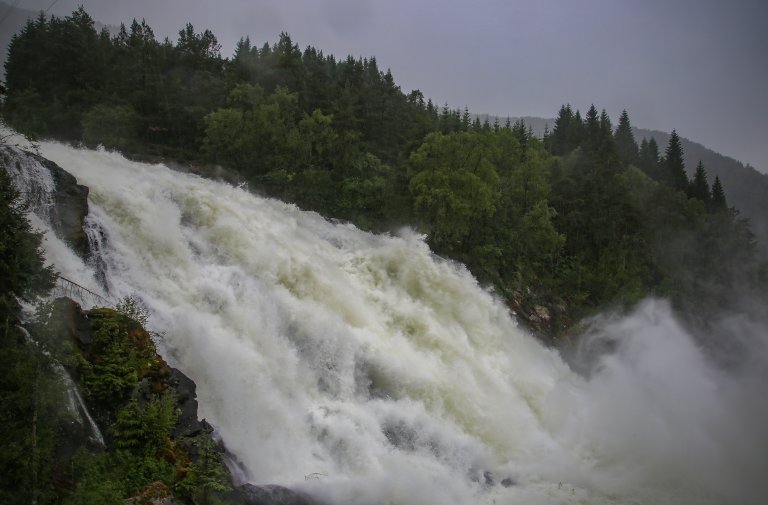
x=365, y=370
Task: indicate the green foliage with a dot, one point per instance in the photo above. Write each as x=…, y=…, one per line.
x=718, y=202
x=207, y=475
x=56, y=66
x=454, y=185
x=144, y=429
x=699, y=187
x=32, y=413
x=111, y=477
x=121, y=354
x=626, y=147
x=96, y=481
x=254, y=135
x=30, y=395
x=115, y=127
x=133, y=308
x=113, y=373
x=673, y=167
x=22, y=271
x=123, y=381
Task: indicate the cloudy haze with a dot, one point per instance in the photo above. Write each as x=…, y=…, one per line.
x=699, y=66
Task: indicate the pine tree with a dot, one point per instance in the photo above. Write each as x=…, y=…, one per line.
x=674, y=166
x=593, y=135
x=626, y=147
x=560, y=139
x=719, y=202
x=649, y=158
x=465, y=119
x=699, y=187
x=23, y=275
x=521, y=133
x=606, y=148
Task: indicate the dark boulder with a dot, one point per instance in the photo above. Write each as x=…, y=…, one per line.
x=508, y=482
x=250, y=494
x=70, y=208
x=65, y=204
x=186, y=399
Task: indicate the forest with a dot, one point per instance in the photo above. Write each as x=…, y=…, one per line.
x=560, y=226
x=582, y=220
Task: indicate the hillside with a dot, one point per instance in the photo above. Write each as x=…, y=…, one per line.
x=745, y=187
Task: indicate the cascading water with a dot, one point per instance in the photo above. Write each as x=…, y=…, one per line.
x=76, y=407
x=31, y=179
x=362, y=369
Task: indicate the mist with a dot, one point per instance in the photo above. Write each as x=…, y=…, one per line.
x=687, y=407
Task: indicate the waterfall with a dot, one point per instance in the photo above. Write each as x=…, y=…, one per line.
x=75, y=404
x=31, y=179
x=362, y=369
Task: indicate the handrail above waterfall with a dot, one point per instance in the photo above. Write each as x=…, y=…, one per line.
x=67, y=287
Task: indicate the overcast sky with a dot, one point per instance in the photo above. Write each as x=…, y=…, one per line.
x=700, y=66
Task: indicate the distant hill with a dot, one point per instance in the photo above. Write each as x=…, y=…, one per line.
x=745, y=187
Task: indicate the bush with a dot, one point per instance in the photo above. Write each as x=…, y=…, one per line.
x=115, y=127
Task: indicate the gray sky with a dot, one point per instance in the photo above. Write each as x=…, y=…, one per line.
x=700, y=66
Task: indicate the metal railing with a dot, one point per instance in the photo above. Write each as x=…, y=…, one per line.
x=71, y=289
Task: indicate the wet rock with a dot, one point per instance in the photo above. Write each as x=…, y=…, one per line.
x=542, y=314
x=250, y=494
x=186, y=399
x=65, y=203
x=70, y=207
x=508, y=482
x=73, y=323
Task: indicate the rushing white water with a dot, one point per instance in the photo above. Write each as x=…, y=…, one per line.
x=362, y=369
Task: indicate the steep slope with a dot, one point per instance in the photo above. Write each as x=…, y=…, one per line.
x=745, y=187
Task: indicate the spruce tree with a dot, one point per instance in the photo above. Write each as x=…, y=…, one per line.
x=521, y=133
x=674, y=167
x=719, y=202
x=606, y=147
x=699, y=187
x=576, y=131
x=592, y=126
x=559, y=139
x=626, y=147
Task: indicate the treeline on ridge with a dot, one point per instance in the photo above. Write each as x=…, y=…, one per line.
x=559, y=225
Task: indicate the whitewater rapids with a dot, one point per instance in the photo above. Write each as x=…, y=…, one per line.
x=361, y=369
